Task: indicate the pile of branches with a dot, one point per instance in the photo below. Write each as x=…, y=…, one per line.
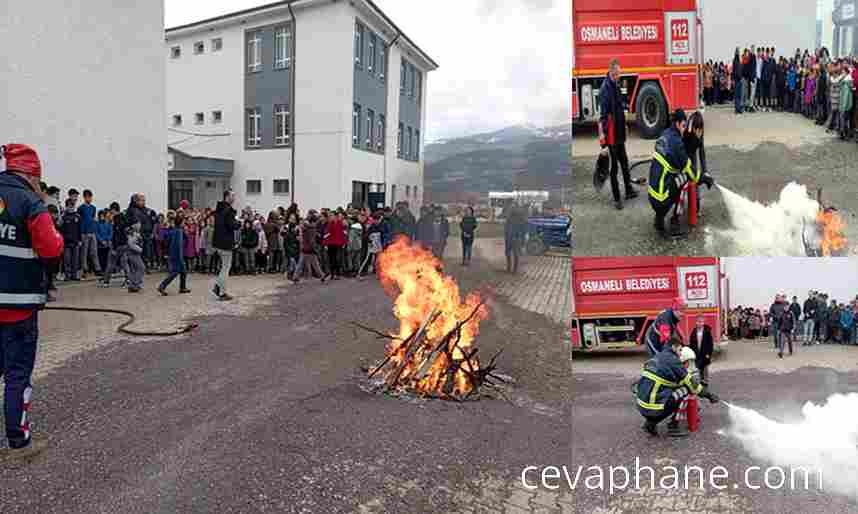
x=478, y=377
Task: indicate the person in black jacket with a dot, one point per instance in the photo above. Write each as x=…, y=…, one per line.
x=612, y=132
x=700, y=340
x=225, y=226
x=692, y=139
x=749, y=74
x=809, y=319
x=669, y=162
x=738, y=83
x=117, y=258
x=137, y=212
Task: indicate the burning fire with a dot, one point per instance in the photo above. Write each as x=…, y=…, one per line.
x=428, y=304
x=831, y=227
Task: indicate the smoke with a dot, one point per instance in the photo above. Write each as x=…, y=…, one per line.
x=823, y=443
x=771, y=230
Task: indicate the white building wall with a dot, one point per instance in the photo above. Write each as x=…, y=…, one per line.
x=83, y=83
x=828, y=24
x=783, y=24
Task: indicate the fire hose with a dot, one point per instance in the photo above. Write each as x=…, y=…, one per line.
x=123, y=328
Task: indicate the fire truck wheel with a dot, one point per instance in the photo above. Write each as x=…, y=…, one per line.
x=652, y=111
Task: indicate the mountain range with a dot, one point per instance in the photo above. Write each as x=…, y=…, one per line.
x=517, y=157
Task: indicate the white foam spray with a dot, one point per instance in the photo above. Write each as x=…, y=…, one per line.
x=771, y=230
x=823, y=443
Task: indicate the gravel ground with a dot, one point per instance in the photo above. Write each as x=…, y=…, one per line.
x=261, y=409
x=606, y=427
x=754, y=155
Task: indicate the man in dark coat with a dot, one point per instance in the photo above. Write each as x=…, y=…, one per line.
x=701, y=342
x=223, y=240
x=612, y=132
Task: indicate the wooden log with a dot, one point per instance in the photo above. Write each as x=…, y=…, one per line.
x=409, y=348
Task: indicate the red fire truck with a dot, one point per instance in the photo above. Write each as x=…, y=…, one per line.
x=614, y=299
x=659, y=44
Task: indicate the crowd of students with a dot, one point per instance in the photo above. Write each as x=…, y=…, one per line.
x=817, y=320
x=327, y=244
x=808, y=83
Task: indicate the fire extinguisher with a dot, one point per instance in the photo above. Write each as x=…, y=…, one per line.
x=693, y=413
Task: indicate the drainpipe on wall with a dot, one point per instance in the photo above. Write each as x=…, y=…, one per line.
x=292, y=88
x=386, y=98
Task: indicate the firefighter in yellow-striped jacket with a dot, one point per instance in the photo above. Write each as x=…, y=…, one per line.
x=669, y=162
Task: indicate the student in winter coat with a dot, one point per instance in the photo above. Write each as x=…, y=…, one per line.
x=785, y=329
x=273, y=228
x=261, y=248
x=176, y=265
x=136, y=266
x=335, y=240
x=355, y=245
x=468, y=226
x=846, y=104
x=70, y=229
x=309, y=259
x=103, y=237
x=847, y=325
x=292, y=246
x=247, y=251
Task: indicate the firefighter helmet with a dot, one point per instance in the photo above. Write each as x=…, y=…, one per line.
x=686, y=354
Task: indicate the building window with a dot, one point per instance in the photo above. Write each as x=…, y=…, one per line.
x=177, y=120
x=381, y=135
x=176, y=52
x=371, y=60
x=399, y=141
x=254, y=128
x=199, y=118
x=199, y=47
x=393, y=194
x=210, y=184
x=382, y=61
x=281, y=186
x=254, y=187
x=411, y=81
x=356, y=126
x=416, y=145
x=419, y=86
x=407, y=191
x=217, y=116
x=415, y=192
x=281, y=125
x=359, y=32
x=370, y=128
x=254, y=52
x=403, y=77
x=409, y=149
x=217, y=44
x=282, y=36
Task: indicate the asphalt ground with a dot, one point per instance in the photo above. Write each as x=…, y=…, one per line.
x=263, y=409
x=754, y=155
x=607, y=429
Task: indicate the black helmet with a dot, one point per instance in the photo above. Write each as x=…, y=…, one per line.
x=677, y=116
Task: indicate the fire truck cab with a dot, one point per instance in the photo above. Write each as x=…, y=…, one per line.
x=659, y=44
x=615, y=299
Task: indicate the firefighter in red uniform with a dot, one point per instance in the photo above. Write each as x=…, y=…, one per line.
x=27, y=237
x=612, y=132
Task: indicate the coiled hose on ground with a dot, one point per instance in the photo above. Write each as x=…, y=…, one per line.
x=123, y=328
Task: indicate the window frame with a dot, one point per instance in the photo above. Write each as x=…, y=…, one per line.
x=282, y=120
x=403, y=77
x=370, y=129
x=177, y=120
x=254, y=40
x=381, y=141
x=373, y=39
x=282, y=43
x=217, y=44
x=176, y=52
x=253, y=120
x=356, y=125
x=247, y=183
x=199, y=118
x=199, y=47
x=281, y=193
x=416, y=145
x=382, y=63
x=360, y=31
x=217, y=117
x=410, y=143
x=400, y=140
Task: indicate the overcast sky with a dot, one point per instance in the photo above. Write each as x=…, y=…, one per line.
x=755, y=280
x=502, y=62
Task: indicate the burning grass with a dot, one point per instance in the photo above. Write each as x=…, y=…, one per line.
x=831, y=231
x=432, y=353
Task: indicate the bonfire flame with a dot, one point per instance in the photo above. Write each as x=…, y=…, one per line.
x=424, y=294
x=831, y=227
